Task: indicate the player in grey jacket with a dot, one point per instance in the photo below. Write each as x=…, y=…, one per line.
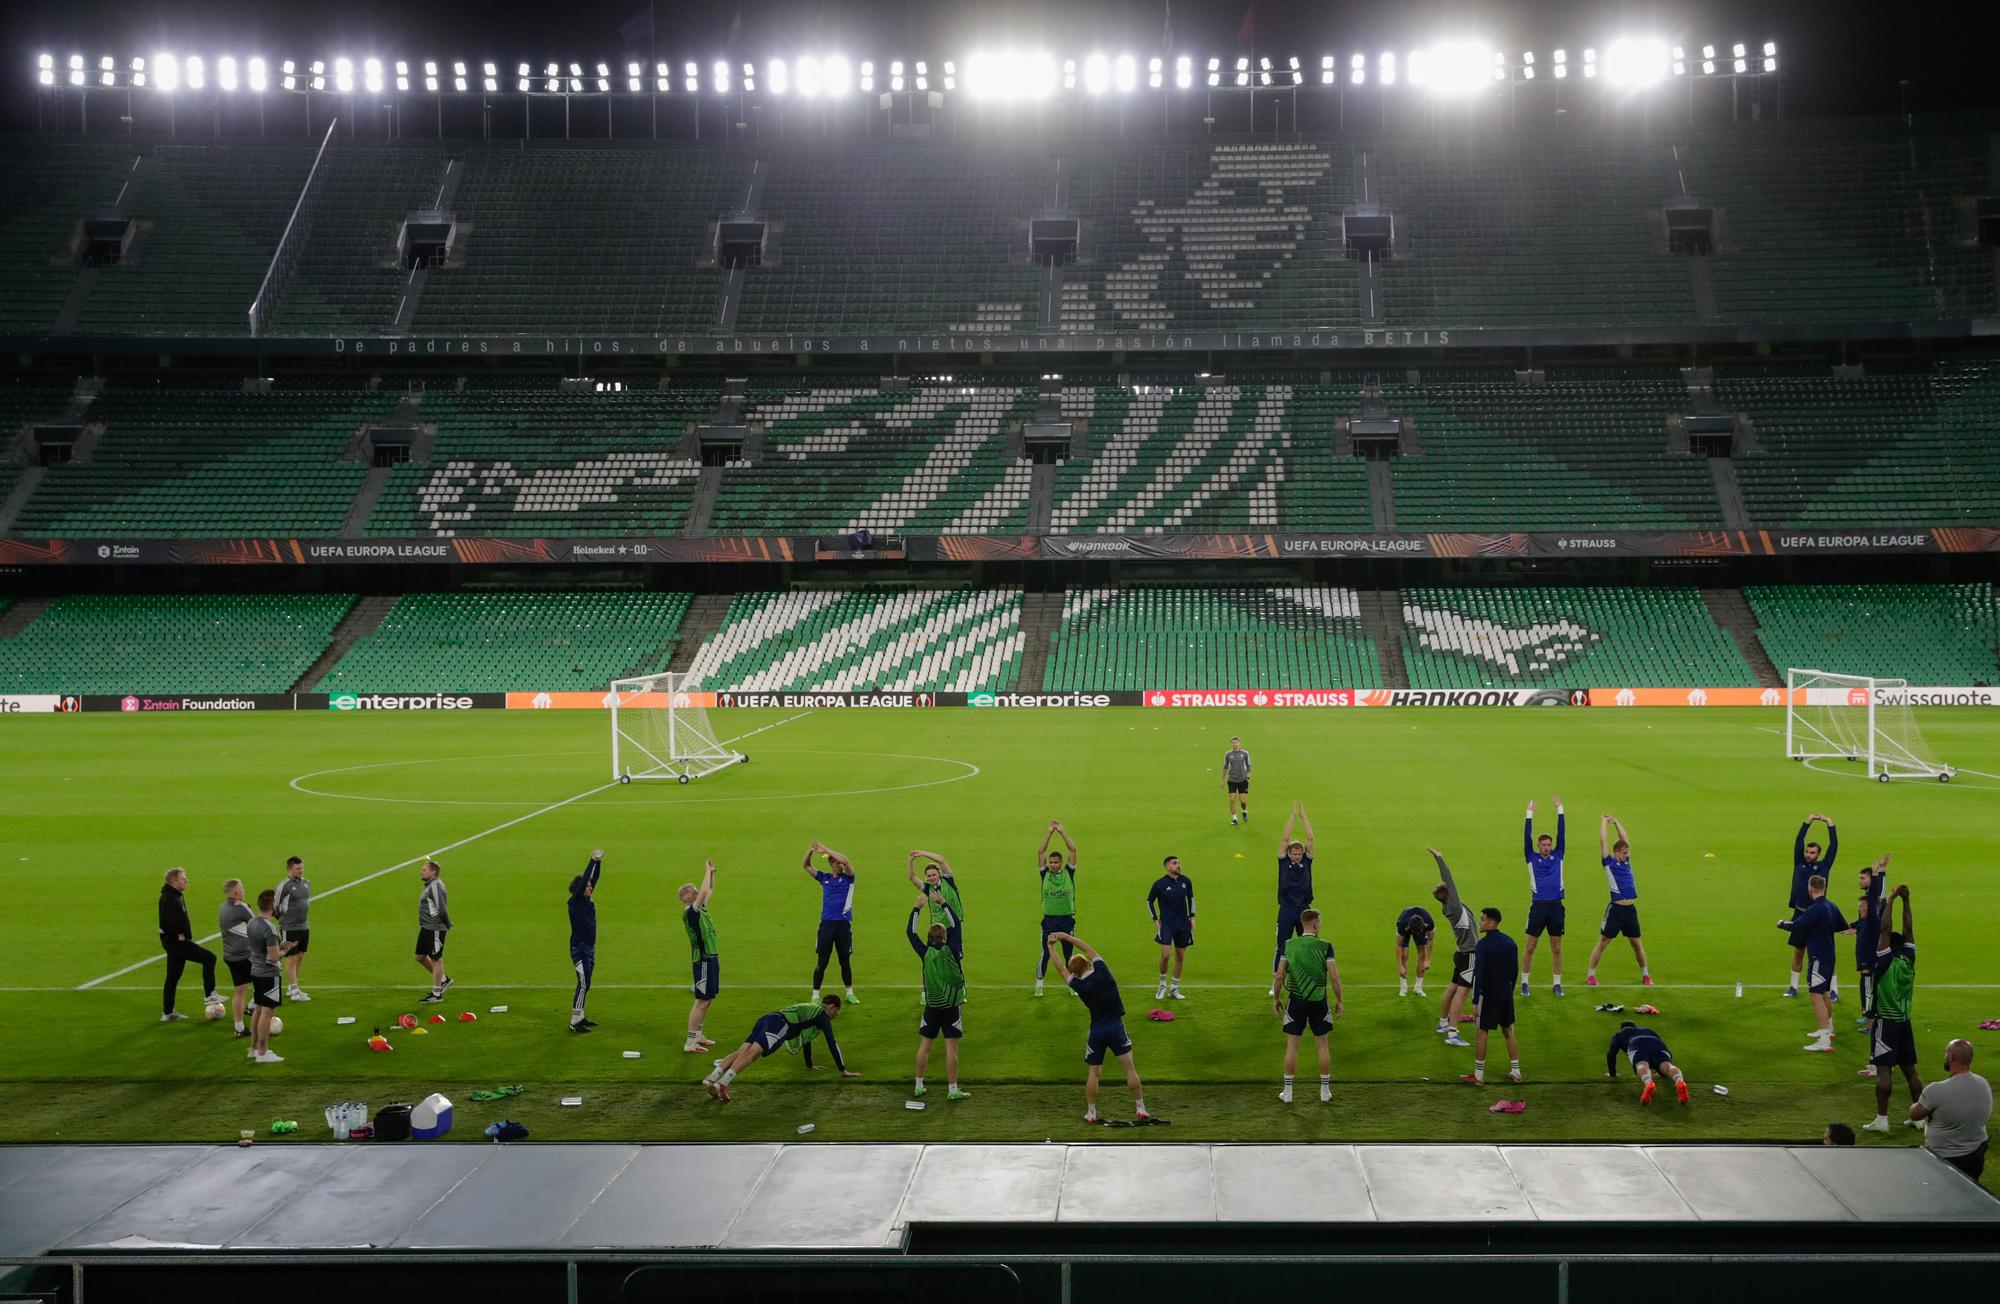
x=294, y=897
x=433, y=922
x=1457, y=916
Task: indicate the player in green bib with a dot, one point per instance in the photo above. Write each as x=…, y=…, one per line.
x=702, y=951
x=1305, y=971
x=944, y=995
x=1893, y=1043
x=931, y=875
x=1058, y=897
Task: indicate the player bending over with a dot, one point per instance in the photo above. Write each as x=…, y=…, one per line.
x=433, y=922
x=1496, y=963
x=1622, y=915
x=1806, y=862
x=1170, y=905
x=1545, y=882
x=1295, y=884
x=583, y=938
x=1236, y=781
x=795, y=1027
x=1649, y=1055
x=1413, y=928
x=836, y=916
x=1058, y=897
x=1090, y=978
x=1305, y=971
x=1465, y=941
x=944, y=994
x=1894, y=1040
x=1813, y=930
x=702, y=951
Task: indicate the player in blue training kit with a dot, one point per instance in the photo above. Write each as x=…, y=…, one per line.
x=1806, y=862
x=1295, y=884
x=1621, y=917
x=836, y=916
x=1090, y=978
x=583, y=937
x=1545, y=881
x=1648, y=1055
x=1495, y=964
x=1413, y=928
x=1171, y=905
x=1813, y=930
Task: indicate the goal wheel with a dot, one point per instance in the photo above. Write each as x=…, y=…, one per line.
x=624, y=778
x=684, y=778
x=1881, y=778
x=1944, y=776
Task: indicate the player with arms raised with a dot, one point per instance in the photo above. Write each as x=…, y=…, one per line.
x=1465, y=944
x=944, y=994
x=1894, y=1043
x=707, y=960
x=1058, y=898
x=836, y=916
x=1295, y=884
x=1622, y=915
x=1545, y=881
x=1806, y=862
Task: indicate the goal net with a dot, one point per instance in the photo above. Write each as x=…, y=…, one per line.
x=659, y=730
x=1858, y=718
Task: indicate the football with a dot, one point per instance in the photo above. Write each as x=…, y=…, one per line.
x=277, y=1025
x=215, y=1011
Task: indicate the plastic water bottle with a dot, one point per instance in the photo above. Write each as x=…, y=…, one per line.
x=1739, y=991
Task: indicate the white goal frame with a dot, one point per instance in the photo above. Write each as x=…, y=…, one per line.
x=657, y=731
x=1886, y=738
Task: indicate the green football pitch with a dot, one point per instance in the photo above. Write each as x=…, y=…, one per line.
x=98, y=806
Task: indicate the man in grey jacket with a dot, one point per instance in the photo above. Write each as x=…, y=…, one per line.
x=1457, y=916
x=433, y=922
x=294, y=896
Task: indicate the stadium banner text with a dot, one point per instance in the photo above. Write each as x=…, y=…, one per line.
x=637, y=550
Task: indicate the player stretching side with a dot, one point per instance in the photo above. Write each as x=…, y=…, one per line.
x=1170, y=905
x=1545, y=879
x=944, y=994
x=1090, y=978
x=433, y=922
x=1496, y=960
x=1872, y=909
x=1305, y=971
x=794, y=1027
x=1813, y=930
x=1894, y=1040
x=1058, y=898
x=294, y=900
x=1806, y=862
x=836, y=916
x=1413, y=928
x=583, y=937
x=1295, y=884
x=1465, y=941
x=1236, y=781
x=702, y=952
x=1622, y=915
x=1649, y=1055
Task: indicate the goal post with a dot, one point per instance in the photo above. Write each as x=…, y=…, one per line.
x=660, y=730
x=1859, y=718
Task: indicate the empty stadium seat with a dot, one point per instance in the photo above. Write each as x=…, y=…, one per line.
x=225, y=643
x=1140, y=638
x=1584, y=637
x=913, y=640
x=1928, y=634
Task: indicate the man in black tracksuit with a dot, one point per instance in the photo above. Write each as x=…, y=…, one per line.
x=177, y=940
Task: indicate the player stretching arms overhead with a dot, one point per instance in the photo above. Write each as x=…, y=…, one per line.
x=1872, y=911
x=706, y=959
x=1171, y=907
x=1305, y=971
x=836, y=916
x=1090, y=978
x=1058, y=897
x=1464, y=942
x=940, y=885
x=1622, y=915
x=944, y=994
x=794, y=1027
x=1806, y=862
x=1413, y=928
x=583, y=937
x=1295, y=884
x=1894, y=1040
x=1236, y=781
x=1813, y=930
x=1648, y=1054
x=1545, y=880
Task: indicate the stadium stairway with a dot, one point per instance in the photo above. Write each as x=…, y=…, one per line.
x=1382, y=622
x=704, y=616
x=16, y=619
x=1041, y=615
x=359, y=622
x=1733, y=614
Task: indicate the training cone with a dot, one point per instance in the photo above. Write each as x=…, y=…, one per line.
x=406, y=1020
x=420, y=1032
x=437, y=1018
x=380, y=1044
x=468, y=1017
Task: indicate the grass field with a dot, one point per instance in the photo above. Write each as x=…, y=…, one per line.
x=98, y=806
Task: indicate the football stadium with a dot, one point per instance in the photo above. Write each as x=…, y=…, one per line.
x=1080, y=560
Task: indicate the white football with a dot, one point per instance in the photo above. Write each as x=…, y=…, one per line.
x=215, y=1011
x=277, y=1025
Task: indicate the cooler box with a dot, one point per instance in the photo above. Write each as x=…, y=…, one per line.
x=431, y=1118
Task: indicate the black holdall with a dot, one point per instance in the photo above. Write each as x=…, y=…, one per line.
x=392, y=1123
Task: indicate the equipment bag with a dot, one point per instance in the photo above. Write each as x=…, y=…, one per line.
x=392, y=1123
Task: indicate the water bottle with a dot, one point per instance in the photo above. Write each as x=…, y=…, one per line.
x=1739, y=991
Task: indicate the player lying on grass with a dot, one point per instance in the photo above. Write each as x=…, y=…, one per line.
x=1236, y=781
x=1546, y=911
x=1622, y=915
x=1465, y=941
x=1295, y=883
x=936, y=881
x=583, y=938
x=944, y=995
x=836, y=916
x=433, y=922
x=1413, y=928
x=1496, y=963
x=707, y=960
x=795, y=1027
x=1806, y=862
x=1649, y=1055
x=1813, y=930
x=1170, y=905
x=1870, y=913
x=1090, y=978
x=1893, y=1042
x=1305, y=971
x=1058, y=896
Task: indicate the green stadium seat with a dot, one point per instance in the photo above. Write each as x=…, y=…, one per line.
x=1584, y=637
x=218, y=643
x=865, y=640
x=1928, y=634
x=1130, y=640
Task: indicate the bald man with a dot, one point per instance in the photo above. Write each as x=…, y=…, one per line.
x=1956, y=1110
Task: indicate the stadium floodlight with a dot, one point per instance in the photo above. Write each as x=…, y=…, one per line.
x=1127, y=72
x=663, y=84
x=1096, y=74
x=1385, y=68
x=1707, y=67
x=692, y=85
x=867, y=75
x=1326, y=73
x=1527, y=72
x=47, y=61
x=1264, y=79
x=1742, y=65
x=1454, y=68
x=46, y=76
x=923, y=69
x=458, y=68
x=1589, y=62
x=371, y=75
x=1154, y=76
x=1770, y=64
x=488, y=69
x=1635, y=62
x=1357, y=69
x=721, y=77
x=1499, y=66
x=196, y=72
x=1737, y=51
x=808, y=76
x=1243, y=78
x=839, y=77
x=107, y=63
x=1264, y=63
x=108, y=78
x=166, y=72
x=1770, y=49
x=403, y=67
x=1040, y=74
x=1183, y=72
x=490, y=84
x=1242, y=64
x=343, y=75
x=576, y=70
x=458, y=83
